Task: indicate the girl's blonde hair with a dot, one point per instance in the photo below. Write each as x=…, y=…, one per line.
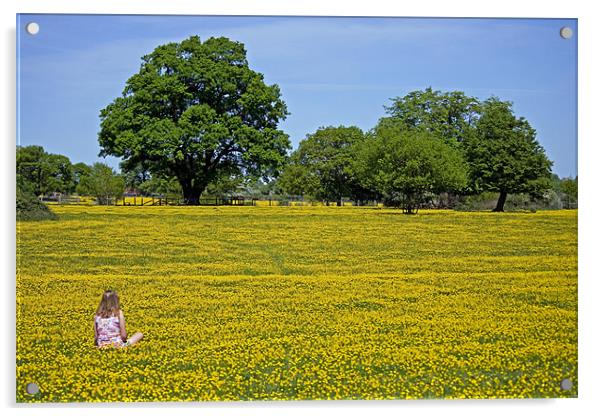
x=109, y=304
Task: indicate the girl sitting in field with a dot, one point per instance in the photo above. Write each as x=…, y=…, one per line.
x=109, y=323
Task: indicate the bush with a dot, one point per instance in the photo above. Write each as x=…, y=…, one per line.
x=520, y=202
x=551, y=200
x=481, y=202
x=30, y=208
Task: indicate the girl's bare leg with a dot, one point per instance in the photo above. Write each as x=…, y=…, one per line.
x=135, y=338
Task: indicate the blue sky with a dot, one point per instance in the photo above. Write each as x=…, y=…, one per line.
x=331, y=71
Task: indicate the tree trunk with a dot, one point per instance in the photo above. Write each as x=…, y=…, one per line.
x=500, y=202
x=191, y=193
x=192, y=196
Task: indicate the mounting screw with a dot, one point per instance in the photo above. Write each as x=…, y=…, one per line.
x=566, y=384
x=32, y=388
x=566, y=32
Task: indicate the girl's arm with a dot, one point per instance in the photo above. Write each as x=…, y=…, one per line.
x=124, y=335
x=95, y=333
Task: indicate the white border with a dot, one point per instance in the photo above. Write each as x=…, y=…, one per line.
x=590, y=70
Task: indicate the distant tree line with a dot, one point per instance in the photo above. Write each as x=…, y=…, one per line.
x=195, y=114
x=429, y=143
x=196, y=120
x=41, y=174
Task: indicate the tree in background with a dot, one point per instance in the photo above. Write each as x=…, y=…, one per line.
x=60, y=173
x=44, y=172
x=139, y=177
x=30, y=172
x=321, y=166
x=102, y=183
x=168, y=187
x=194, y=111
x=504, y=155
x=80, y=170
x=565, y=190
x=295, y=180
x=408, y=166
x=225, y=184
x=135, y=175
x=570, y=188
x=35, y=176
x=450, y=116
x=258, y=188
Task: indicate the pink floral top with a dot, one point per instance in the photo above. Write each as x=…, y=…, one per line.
x=108, y=331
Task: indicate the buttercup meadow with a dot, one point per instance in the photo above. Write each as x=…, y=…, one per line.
x=296, y=303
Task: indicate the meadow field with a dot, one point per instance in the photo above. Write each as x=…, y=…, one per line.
x=297, y=303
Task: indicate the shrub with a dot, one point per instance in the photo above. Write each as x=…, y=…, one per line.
x=30, y=208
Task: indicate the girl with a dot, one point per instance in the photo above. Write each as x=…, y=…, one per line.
x=109, y=323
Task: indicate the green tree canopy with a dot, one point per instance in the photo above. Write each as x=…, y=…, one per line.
x=194, y=110
x=80, y=170
x=504, y=155
x=570, y=187
x=257, y=188
x=567, y=189
x=225, y=184
x=447, y=115
x=161, y=186
x=102, y=183
x=321, y=166
x=296, y=180
x=135, y=175
x=44, y=172
x=60, y=174
x=408, y=166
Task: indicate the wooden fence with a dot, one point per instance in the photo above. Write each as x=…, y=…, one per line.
x=165, y=201
x=137, y=201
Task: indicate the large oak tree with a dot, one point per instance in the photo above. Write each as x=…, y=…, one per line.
x=196, y=111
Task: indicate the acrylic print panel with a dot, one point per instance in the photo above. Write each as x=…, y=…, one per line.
x=293, y=208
